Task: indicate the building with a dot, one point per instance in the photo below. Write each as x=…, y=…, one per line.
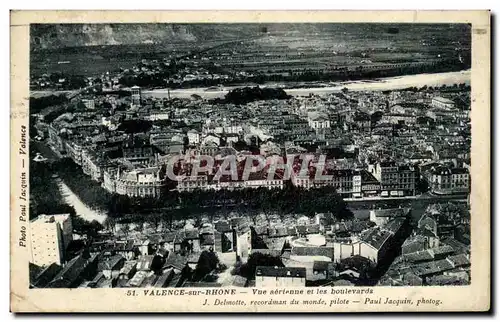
x=92, y=164
x=441, y=102
x=393, y=118
x=74, y=151
x=267, y=276
x=136, y=95
x=395, y=180
x=383, y=216
x=50, y=235
x=89, y=103
x=369, y=184
x=193, y=137
x=137, y=150
x=362, y=122
x=318, y=121
x=347, y=182
x=144, y=182
x=443, y=180
x=190, y=183
x=381, y=244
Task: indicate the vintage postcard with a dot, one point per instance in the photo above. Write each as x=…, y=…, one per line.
x=273, y=161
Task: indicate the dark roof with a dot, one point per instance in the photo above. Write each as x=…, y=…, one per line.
x=442, y=250
x=459, y=171
x=411, y=279
x=357, y=226
x=395, y=224
x=155, y=239
x=278, y=231
x=176, y=261
x=291, y=231
x=194, y=257
x=207, y=239
x=222, y=226
x=45, y=275
x=457, y=246
x=237, y=221
x=175, y=281
x=71, y=272
x=239, y=281
x=445, y=280
x=280, y=271
x=320, y=265
x=261, y=230
x=459, y=260
x=301, y=229
x=128, y=266
x=433, y=267
x=34, y=270
x=125, y=245
x=164, y=278
x=276, y=243
x=110, y=263
x=162, y=252
x=366, y=176
x=313, y=251
x=355, y=262
x=271, y=252
x=192, y=234
x=312, y=229
x=426, y=233
x=394, y=212
x=377, y=238
x=420, y=256
x=206, y=230
x=169, y=237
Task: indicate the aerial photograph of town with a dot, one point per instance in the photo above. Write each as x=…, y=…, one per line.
x=264, y=155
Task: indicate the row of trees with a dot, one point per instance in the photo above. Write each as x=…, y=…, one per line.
x=182, y=205
x=46, y=198
x=443, y=88
x=175, y=205
x=89, y=191
x=39, y=103
x=249, y=94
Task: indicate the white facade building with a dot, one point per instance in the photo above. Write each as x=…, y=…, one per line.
x=50, y=235
x=442, y=102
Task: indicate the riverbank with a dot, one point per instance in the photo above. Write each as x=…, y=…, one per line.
x=390, y=83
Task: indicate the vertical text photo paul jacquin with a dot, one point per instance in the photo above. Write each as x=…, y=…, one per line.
x=249, y=155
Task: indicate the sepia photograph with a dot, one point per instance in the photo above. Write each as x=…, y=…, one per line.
x=223, y=158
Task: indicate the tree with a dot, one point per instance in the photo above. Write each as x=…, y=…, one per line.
x=110, y=224
x=207, y=262
x=422, y=185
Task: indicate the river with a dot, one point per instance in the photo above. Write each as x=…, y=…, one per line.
x=81, y=209
x=390, y=83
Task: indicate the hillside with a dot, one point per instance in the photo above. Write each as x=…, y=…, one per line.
x=56, y=36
